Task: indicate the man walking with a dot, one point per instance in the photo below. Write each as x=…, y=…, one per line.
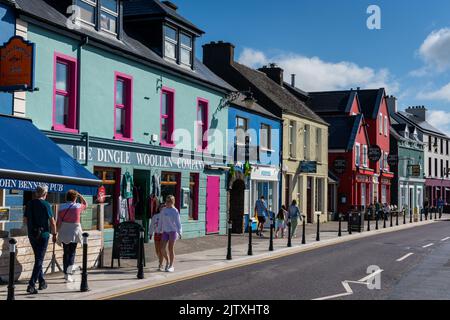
x=39, y=220
x=440, y=205
x=294, y=216
x=262, y=213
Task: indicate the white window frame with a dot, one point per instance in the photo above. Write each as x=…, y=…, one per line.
x=267, y=128
x=307, y=142
x=292, y=136
x=92, y=3
x=380, y=117
x=386, y=126
x=357, y=155
x=318, y=144
x=190, y=49
x=174, y=42
x=365, y=151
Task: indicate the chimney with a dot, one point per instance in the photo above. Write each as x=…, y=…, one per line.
x=293, y=80
x=216, y=55
x=391, y=102
x=420, y=112
x=274, y=72
x=171, y=5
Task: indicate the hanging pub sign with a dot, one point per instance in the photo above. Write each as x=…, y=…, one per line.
x=393, y=160
x=340, y=165
x=17, y=65
x=374, y=153
x=101, y=195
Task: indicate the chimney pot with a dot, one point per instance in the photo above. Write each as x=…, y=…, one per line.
x=274, y=72
x=293, y=80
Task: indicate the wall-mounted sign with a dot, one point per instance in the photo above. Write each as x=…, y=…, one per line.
x=374, y=153
x=17, y=65
x=4, y=214
x=308, y=167
x=416, y=171
x=101, y=195
x=340, y=165
x=392, y=160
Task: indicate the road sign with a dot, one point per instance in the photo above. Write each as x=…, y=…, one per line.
x=374, y=153
x=17, y=65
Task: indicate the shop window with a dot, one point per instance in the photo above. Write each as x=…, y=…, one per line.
x=170, y=186
x=65, y=94
x=194, y=195
x=167, y=117
x=202, y=125
x=123, y=107
x=266, y=134
x=110, y=180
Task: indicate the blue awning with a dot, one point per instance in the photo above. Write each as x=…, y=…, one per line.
x=28, y=159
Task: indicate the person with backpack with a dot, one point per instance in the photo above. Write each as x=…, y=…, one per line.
x=70, y=233
x=38, y=218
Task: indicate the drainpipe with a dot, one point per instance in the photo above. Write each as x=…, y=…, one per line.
x=85, y=135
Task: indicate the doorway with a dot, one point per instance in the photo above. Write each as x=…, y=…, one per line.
x=309, y=200
x=142, y=187
x=237, y=206
x=213, y=205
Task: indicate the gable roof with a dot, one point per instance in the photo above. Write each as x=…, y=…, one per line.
x=371, y=102
x=255, y=108
x=424, y=126
x=332, y=102
x=343, y=131
x=276, y=93
x=42, y=11
x=155, y=8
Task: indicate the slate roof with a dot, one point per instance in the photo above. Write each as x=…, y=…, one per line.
x=343, y=131
x=276, y=93
x=41, y=10
x=155, y=8
x=303, y=95
x=370, y=101
x=424, y=126
x=331, y=102
x=239, y=102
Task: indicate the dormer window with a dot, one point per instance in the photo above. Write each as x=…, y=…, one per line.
x=108, y=20
x=178, y=46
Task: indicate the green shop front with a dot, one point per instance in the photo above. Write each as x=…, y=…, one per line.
x=133, y=175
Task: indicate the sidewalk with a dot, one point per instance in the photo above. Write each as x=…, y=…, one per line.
x=194, y=258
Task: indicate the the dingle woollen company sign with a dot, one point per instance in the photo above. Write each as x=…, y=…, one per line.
x=17, y=65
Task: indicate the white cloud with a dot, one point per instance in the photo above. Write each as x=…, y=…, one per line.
x=435, y=50
x=442, y=94
x=314, y=74
x=440, y=119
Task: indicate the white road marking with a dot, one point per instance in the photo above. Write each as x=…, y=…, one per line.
x=405, y=257
x=445, y=239
x=428, y=245
x=348, y=289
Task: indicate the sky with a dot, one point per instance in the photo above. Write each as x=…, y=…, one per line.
x=329, y=46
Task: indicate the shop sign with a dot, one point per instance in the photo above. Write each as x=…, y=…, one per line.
x=265, y=174
x=4, y=214
x=126, y=241
x=13, y=184
x=393, y=160
x=17, y=65
x=308, y=166
x=120, y=157
x=363, y=179
x=101, y=195
x=374, y=153
x=340, y=165
x=385, y=181
x=416, y=170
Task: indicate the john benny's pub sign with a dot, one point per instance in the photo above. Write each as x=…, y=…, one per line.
x=121, y=157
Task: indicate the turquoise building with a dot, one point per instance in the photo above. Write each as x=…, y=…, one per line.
x=131, y=106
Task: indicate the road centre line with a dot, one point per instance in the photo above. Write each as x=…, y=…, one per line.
x=445, y=239
x=405, y=257
x=428, y=245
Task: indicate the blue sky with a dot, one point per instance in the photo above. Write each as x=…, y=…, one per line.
x=328, y=45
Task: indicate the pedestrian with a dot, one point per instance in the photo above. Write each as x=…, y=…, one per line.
x=294, y=215
x=156, y=230
x=262, y=213
x=281, y=221
x=440, y=206
x=40, y=223
x=171, y=230
x=70, y=233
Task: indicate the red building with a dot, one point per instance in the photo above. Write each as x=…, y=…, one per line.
x=358, y=120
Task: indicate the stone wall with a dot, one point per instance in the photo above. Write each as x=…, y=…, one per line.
x=25, y=257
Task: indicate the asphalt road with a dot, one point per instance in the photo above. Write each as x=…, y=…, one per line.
x=415, y=265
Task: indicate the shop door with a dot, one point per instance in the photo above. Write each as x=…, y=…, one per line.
x=237, y=206
x=142, y=185
x=212, y=205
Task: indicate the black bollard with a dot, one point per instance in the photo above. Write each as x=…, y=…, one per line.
x=318, y=228
x=12, y=261
x=250, y=231
x=397, y=223
x=377, y=217
x=368, y=220
x=410, y=216
x=304, y=230
x=84, y=281
x=360, y=219
x=230, y=230
x=392, y=219
x=350, y=216
x=384, y=220
x=272, y=227
x=404, y=216
x=140, y=274
x=340, y=226
x=421, y=215
x=289, y=244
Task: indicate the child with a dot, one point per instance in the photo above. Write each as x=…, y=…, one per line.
x=155, y=228
x=281, y=222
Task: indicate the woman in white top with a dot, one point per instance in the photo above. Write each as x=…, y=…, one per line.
x=156, y=229
x=171, y=230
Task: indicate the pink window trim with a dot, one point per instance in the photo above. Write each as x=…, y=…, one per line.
x=204, y=123
x=72, y=64
x=170, y=116
x=128, y=81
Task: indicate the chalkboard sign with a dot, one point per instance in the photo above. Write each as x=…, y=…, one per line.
x=126, y=241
